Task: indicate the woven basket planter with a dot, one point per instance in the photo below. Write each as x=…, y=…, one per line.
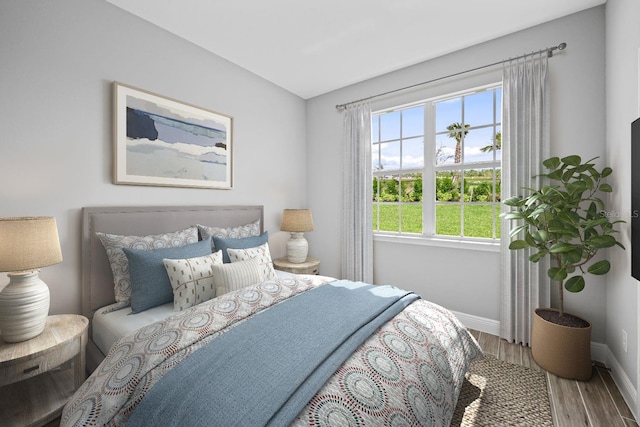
x=562, y=350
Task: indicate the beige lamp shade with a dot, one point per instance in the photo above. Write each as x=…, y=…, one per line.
x=28, y=243
x=296, y=220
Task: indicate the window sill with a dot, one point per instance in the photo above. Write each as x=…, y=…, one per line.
x=440, y=241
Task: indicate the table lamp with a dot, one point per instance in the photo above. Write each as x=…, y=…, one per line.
x=26, y=244
x=297, y=221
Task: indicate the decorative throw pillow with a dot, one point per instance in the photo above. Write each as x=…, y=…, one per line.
x=192, y=279
x=113, y=244
x=247, y=230
x=244, y=243
x=150, y=284
x=261, y=253
x=231, y=277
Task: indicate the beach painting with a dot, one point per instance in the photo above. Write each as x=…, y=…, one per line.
x=161, y=141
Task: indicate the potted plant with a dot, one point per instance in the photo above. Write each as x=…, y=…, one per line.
x=566, y=221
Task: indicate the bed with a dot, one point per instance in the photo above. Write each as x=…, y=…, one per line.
x=266, y=347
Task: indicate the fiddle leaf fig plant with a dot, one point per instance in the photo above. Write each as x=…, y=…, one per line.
x=567, y=221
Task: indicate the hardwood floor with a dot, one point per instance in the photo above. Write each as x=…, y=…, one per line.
x=593, y=403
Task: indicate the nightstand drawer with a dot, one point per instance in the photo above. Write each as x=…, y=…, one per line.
x=25, y=369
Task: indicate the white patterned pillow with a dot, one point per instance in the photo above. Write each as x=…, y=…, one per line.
x=113, y=244
x=261, y=253
x=247, y=230
x=233, y=276
x=192, y=279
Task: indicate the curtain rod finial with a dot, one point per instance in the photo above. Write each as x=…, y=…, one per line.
x=562, y=46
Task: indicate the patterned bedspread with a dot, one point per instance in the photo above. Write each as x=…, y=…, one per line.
x=407, y=373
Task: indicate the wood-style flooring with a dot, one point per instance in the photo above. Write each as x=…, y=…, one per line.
x=593, y=403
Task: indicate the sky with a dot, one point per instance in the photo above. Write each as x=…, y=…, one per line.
x=478, y=112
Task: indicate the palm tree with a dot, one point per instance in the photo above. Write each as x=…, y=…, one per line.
x=497, y=145
x=457, y=131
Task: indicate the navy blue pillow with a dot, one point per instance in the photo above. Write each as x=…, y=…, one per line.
x=150, y=285
x=220, y=243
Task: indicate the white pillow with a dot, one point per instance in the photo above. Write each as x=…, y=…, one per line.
x=233, y=276
x=261, y=253
x=192, y=279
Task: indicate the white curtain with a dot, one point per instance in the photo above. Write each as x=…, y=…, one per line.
x=357, y=241
x=525, y=145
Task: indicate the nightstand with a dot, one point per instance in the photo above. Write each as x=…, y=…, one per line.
x=38, y=376
x=310, y=266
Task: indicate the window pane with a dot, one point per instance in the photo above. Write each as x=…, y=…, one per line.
x=448, y=219
x=390, y=126
x=478, y=220
x=413, y=122
x=447, y=186
x=478, y=108
x=389, y=219
x=413, y=153
x=478, y=145
x=411, y=217
x=375, y=157
x=478, y=185
x=390, y=155
x=445, y=150
x=448, y=112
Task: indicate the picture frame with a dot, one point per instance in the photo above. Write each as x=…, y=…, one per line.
x=160, y=141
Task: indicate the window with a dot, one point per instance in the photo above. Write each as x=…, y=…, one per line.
x=436, y=166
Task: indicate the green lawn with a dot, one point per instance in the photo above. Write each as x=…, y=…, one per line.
x=477, y=219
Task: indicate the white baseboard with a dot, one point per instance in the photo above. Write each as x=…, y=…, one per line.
x=626, y=387
x=478, y=323
x=599, y=352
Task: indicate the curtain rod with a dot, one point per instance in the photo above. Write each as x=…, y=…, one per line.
x=549, y=51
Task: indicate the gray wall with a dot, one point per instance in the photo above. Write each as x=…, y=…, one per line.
x=460, y=279
x=58, y=63
x=623, y=106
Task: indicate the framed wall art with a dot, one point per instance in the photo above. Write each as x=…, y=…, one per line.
x=164, y=142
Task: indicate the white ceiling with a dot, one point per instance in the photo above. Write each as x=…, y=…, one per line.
x=312, y=47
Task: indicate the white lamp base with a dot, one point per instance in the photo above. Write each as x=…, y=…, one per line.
x=24, y=307
x=297, y=248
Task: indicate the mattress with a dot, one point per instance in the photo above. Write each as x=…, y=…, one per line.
x=108, y=325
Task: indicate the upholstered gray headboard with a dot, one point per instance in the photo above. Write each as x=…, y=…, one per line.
x=97, y=279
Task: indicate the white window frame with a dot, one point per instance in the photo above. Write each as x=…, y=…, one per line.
x=428, y=236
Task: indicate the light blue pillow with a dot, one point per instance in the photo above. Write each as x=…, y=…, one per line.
x=223, y=244
x=150, y=285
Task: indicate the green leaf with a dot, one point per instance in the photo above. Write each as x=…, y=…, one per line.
x=539, y=236
x=551, y=163
x=514, y=201
x=600, y=242
x=599, y=268
x=605, y=188
x=561, y=247
x=537, y=256
x=606, y=172
x=518, y=244
x=574, y=284
x=572, y=160
x=557, y=274
x=514, y=215
x=556, y=174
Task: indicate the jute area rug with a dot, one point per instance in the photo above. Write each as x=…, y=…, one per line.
x=497, y=393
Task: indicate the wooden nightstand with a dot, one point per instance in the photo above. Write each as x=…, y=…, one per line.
x=38, y=376
x=310, y=266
